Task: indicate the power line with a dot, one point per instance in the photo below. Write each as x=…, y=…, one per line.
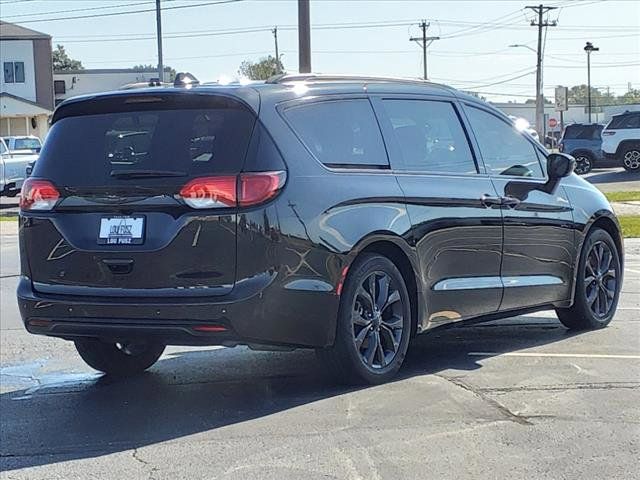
x=81, y=9
x=112, y=14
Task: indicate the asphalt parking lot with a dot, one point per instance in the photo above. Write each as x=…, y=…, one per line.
x=516, y=398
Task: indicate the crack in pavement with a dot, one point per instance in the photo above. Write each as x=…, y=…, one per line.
x=508, y=414
x=574, y=386
x=134, y=454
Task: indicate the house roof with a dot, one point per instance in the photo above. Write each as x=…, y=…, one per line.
x=12, y=105
x=11, y=31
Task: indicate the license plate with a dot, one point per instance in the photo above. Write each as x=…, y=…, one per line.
x=121, y=231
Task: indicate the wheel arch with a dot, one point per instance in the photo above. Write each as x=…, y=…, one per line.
x=399, y=252
x=607, y=221
x=624, y=144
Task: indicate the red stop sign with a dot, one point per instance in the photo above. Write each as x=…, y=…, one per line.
x=553, y=123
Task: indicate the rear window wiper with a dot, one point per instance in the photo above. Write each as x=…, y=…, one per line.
x=146, y=173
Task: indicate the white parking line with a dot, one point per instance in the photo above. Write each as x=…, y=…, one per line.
x=560, y=355
x=632, y=270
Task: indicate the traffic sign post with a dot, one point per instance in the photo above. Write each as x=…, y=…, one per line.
x=562, y=103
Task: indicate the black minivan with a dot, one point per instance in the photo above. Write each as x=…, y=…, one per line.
x=344, y=214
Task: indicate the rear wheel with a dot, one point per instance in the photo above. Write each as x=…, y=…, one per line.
x=374, y=324
x=597, y=284
x=631, y=158
x=119, y=359
x=584, y=162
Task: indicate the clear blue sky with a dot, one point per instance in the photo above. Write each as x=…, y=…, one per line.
x=473, y=52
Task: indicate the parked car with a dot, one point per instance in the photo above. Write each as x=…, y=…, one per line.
x=621, y=140
x=25, y=144
x=523, y=125
x=584, y=143
x=343, y=214
x=13, y=169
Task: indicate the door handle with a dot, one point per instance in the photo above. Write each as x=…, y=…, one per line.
x=489, y=202
x=510, y=202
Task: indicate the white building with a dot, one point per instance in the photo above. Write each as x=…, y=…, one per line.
x=26, y=82
x=71, y=83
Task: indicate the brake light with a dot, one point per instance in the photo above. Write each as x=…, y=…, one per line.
x=608, y=132
x=255, y=188
x=39, y=195
x=210, y=192
x=244, y=190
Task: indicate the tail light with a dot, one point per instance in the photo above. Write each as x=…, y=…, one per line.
x=246, y=189
x=256, y=188
x=608, y=132
x=39, y=195
x=210, y=192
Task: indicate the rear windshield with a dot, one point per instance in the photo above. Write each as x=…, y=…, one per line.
x=27, y=144
x=583, y=132
x=114, y=148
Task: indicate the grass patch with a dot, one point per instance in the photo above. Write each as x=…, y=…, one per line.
x=8, y=218
x=622, y=196
x=630, y=225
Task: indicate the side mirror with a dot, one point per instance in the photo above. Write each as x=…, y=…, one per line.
x=560, y=165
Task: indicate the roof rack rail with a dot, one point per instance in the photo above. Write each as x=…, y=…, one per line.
x=320, y=77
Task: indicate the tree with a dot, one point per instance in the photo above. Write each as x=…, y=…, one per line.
x=62, y=61
x=632, y=96
x=578, y=95
x=169, y=72
x=261, y=70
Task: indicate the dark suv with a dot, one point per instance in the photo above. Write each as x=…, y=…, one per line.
x=344, y=214
x=584, y=143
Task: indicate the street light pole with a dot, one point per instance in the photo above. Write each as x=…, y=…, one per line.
x=589, y=48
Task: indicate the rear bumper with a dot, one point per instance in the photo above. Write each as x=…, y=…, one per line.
x=273, y=315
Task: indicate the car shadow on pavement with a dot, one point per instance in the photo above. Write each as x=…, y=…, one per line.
x=612, y=177
x=194, y=391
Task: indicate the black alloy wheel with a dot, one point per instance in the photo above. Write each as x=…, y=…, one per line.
x=373, y=325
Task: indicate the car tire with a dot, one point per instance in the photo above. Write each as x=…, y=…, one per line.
x=631, y=158
x=13, y=193
x=372, y=337
x=597, y=286
x=118, y=359
x=584, y=162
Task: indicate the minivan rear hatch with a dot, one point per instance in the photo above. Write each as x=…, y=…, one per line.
x=146, y=186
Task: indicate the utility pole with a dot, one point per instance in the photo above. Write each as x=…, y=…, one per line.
x=589, y=48
x=541, y=23
x=304, y=37
x=424, y=42
x=275, y=39
x=159, y=34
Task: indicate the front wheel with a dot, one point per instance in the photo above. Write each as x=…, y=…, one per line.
x=597, y=286
x=631, y=159
x=374, y=324
x=119, y=359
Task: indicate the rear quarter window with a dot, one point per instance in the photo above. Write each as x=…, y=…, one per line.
x=340, y=133
x=621, y=122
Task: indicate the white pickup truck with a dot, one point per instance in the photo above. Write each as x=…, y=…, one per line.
x=13, y=170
